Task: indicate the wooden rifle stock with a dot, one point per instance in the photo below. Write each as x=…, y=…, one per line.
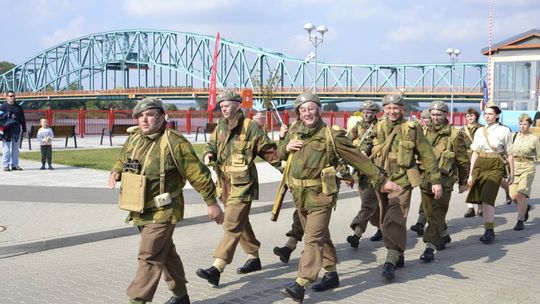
x=278, y=202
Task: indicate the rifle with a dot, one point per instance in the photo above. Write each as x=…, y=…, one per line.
x=282, y=190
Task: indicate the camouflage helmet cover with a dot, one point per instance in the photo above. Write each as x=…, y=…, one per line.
x=228, y=95
x=147, y=103
x=393, y=99
x=306, y=97
x=370, y=105
x=425, y=114
x=438, y=105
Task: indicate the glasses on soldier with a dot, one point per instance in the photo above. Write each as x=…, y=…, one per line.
x=11, y=96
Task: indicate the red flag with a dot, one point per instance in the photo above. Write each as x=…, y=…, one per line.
x=212, y=90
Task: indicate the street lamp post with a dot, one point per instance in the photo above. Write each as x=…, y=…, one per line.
x=315, y=40
x=453, y=54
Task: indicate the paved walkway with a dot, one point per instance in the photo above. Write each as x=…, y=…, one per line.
x=76, y=215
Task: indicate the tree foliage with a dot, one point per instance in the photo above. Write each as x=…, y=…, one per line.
x=267, y=90
x=5, y=66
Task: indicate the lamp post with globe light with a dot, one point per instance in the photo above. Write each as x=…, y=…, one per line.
x=453, y=54
x=316, y=40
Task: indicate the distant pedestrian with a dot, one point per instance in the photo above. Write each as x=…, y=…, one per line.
x=491, y=165
x=45, y=136
x=526, y=151
x=10, y=143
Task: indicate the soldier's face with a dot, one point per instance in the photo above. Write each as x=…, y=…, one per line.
x=437, y=117
x=471, y=118
x=490, y=116
x=229, y=108
x=393, y=111
x=369, y=115
x=309, y=113
x=150, y=121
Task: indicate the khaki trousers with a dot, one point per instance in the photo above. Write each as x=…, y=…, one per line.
x=394, y=209
x=157, y=254
x=319, y=251
x=435, y=211
x=369, y=209
x=237, y=230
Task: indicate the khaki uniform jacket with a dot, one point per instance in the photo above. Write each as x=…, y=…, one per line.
x=227, y=142
x=408, y=142
x=463, y=145
x=191, y=169
x=438, y=137
x=316, y=154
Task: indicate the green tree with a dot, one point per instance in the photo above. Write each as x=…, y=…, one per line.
x=5, y=66
x=267, y=90
x=331, y=106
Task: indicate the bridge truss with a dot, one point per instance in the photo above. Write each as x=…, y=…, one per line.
x=167, y=59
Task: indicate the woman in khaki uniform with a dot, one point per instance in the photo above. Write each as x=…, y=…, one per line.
x=526, y=150
x=488, y=167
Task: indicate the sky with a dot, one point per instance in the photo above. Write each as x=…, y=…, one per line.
x=360, y=31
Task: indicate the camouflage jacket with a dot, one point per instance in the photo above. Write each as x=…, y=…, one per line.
x=407, y=145
x=358, y=132
x=464, y=145
x=444, y=139
x=316, y=154
x=233, y=149
x=191, y=169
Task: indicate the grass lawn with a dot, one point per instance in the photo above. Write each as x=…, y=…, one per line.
x=101, y=159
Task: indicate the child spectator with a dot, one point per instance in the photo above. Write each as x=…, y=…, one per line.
x=45, y=136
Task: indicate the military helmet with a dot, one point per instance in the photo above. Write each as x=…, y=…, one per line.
x=306, y=97
x=438, y=105
x=425, y=114
x=147, y=103
x=370, y=105
x=228, y=95
x=393, y=99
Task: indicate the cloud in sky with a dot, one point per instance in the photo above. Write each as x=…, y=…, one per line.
x=71, y=31
x=173, y=7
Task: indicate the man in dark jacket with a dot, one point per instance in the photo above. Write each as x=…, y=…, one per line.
x=12, y=135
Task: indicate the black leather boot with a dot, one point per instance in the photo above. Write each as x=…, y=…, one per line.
x=250, y=266
x=418, y=228
x=519, y=226
x=444, y=240
x=388, y=271
x=400, y=262
x=211, y=275
x=330, y=280
x=377, y=236
x=178, y=300
x=488, y=237
x=295, y=292
x=527, y=213
x=428, y=255
x=353, y=240
x=284, y=253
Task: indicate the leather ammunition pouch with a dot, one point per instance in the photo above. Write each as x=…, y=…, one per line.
x=132, y=192
x=329, y=180
x=405, y=157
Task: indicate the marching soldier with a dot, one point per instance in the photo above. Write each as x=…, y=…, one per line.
x=443, y=138
x=162, y=160
x=397, y=145
x=233, y=147
x=313, y=151
x=362, y=136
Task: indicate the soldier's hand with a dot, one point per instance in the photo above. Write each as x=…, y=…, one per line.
x=463, y=188
x=283, y=131
x=349, y=183
x=294, y=145
x=469, y=181
x=208, y=158
x=437, y=191
x=215, y=213
x=113, y=178
x=390, y=186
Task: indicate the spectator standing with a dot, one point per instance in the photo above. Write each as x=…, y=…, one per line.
x=45, y=136
x=10, y=148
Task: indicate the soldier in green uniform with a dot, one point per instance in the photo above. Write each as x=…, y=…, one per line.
x=466, y=134
x=397, y=146
x=362, y=135
x=443, y=138
x=163, y=160
x=232, y=149
x=313, y=151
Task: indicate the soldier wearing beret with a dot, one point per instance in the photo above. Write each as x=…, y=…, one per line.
x=312, y=151
x=163, y=160
x=362, y=135
x=232, y=149
x=444, y=139
x=397, y=146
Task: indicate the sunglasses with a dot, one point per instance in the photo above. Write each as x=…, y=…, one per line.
x=11, y=96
